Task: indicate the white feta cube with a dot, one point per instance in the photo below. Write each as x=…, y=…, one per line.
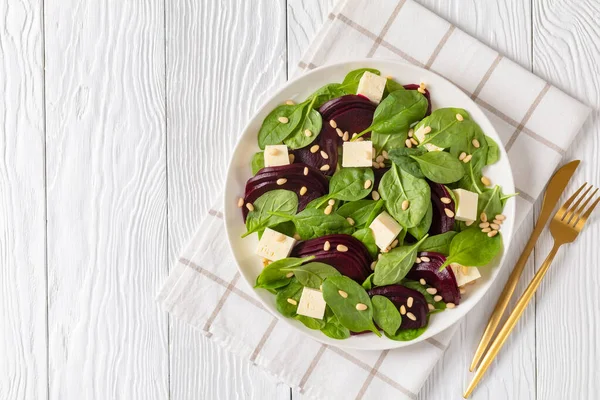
x=357, y=154
x=312, y=304
x=464, y=274
x=276, y=155
x=371, y=86
x=467, y=205
x=274, y=245
x=419, y=134
x=385, y=229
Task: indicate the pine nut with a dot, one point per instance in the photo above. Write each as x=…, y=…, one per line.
x=305, y=171
x=500, y=217
x=427, y=130
x=343, y=294
x=425, y=259
x=328, y=210
x=331, y=202
x=446, y=200
x=484, y=225
x=339, y=132
x=405, y=205
x=303, y=190
x=283, y=120
x=408, y=143
x=250, y=206
x=375, y=195
x=409, y=302
x=492, y=233
x=449, y=212
x=497, y=221
x=367, y=184
x=381, y=165
x=421, y=90
x=462, y=290
x=385, y=155
x=483, y=217
x=289, y=274
x=326, y=245
x=402, y=310
x=281, y=238
x=495, y=226
x=281, y=181
x=467, y=158
x=475, y=143
x=346, y=136
x=292, y=302
x=332, y=123
x=240, y=202
x=422, y=281
x=486, y=181
x=431, y=290
x=314, y=148
x=379, y=158
x=350, y=221
x=354, y=135
x=459, y=117
x=462, y=156
x=411, y=132
x=418, y=261
x=373, y=265
x=450, y=305
x=291, y=158
x=324, y=155
x=341, y=248
x=375, y=165
x=411, y=316
x=324, y=168
x=307, y=132
x=414, y=142
x=296, y=236
x=361, y=307
x=394, y=244
x=486, y=230
x=431, y=307
x=289, y=102
x=437, y=298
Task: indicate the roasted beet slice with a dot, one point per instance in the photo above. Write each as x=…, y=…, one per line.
x=414, y=86
x=266, y=180
x=352, y=114
x=354, y=263
x=441, y=222
x=444, y=281
x=399, y=295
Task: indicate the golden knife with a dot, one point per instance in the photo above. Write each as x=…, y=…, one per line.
x=554, y=190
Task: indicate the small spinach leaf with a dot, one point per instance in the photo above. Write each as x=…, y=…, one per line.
x=312, y=274
x=388, y=141
x=490, y=202
x=440, y=167
x=419, y=231
x=273, y=131
x=258, y=162
x=493, y=154
x=333, y=327
x=396, y=187
x=368, y=283
x=438, y=243
x=360, y=211
x=403, y=157
x=282, y=201
x=365, y=235
x=310, y=121
x=385, y=314
x=348, y=184
x=445, y=128
x=275, y=275
x=393, y=266
x=345, y=307
x=311, y=323
x=292, y=291
x=326, y=93
x=352, y=79
x=405, y=335
x=311, y=223
x=473, y=248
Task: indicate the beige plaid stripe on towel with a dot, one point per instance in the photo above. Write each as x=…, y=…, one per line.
x=204, y=288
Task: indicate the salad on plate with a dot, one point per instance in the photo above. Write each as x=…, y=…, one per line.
x=372, y=209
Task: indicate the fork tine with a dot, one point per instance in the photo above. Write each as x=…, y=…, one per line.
x=577, y=214
x=581, y=221
x=571, y=209
x=561, y=212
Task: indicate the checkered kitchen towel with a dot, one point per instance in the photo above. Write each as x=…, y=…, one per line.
x=204, y=287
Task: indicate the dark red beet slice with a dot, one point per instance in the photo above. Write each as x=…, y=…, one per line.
x=398, y=295
x=351, y=113
x=266, y=180
x=444, y=281
x=440, y=222
x=379, y=172
x=354, y=263
x=414, y=86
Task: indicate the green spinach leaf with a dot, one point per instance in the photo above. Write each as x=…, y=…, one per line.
x=311, y=121
x=414, y=285
x=493, y=154
x=311, y=323
x=352, y=79
x=396, y=187
x=473, y=248
x=348, y=184
x=258, y=162
x=403, y=157
x=292, y=291
x=438, y=243
x=275, y=275
x=386, y=315
x=368, y=283
x=333, y=327
x=445, y=128
x=311, y=223
x=490, y=203
x=365, y=235
x=421, y=229
x=326, y=93
x=360, y=211
x=273, y=131
x=440, y=167
x=281, y=201
x=388, y=141
x=405, y=335
x=393, y=266
x=312, y=274
x=345, y=307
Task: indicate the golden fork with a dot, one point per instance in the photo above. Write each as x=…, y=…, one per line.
x=564, y=227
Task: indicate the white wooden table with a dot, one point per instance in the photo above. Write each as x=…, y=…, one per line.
x=117, y=119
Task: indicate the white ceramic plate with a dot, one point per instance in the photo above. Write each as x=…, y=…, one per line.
x=443, y=94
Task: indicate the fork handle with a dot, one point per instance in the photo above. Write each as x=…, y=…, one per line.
x=512, y=320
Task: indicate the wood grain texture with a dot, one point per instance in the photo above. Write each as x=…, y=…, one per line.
x=566, y=50
x=223, y=60
x=107, y=230
x=23, y=339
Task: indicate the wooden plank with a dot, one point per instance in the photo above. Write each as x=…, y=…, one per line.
x=504, y=26
x=223, y=60
x=107, y=227
x=565, y=51
x=23, y=339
